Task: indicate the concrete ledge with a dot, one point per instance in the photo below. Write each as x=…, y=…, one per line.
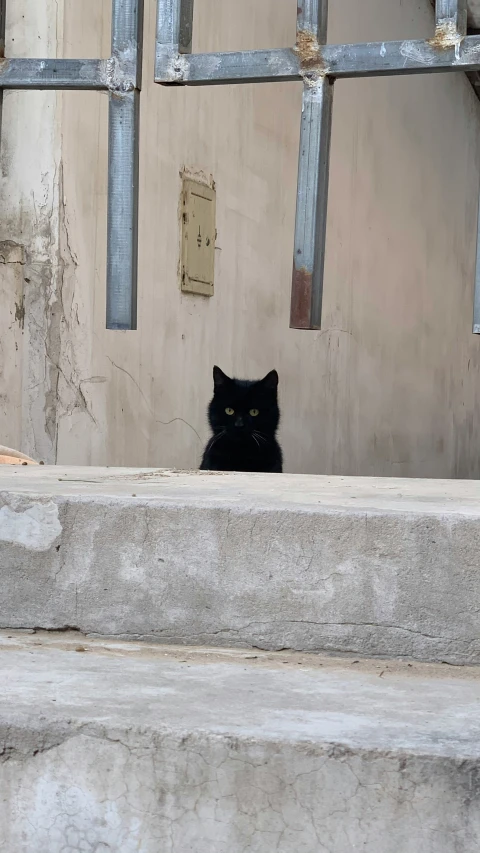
x=372, y=566
x=126, y=748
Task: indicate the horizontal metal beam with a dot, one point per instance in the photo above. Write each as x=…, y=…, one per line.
x=372, y=59
x=207, y=69
x=117, y=74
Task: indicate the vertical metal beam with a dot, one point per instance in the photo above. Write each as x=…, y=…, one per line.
x=174, y=31
x=3, y=15
x=312, y=198
x=312, y=17
x=450, y=30
x=123, y=152
x=450, y=20
x=313, y=169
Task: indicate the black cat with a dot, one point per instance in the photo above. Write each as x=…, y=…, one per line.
x=244, y=418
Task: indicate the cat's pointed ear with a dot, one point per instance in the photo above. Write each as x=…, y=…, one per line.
x=270, y=381
x=220, y=378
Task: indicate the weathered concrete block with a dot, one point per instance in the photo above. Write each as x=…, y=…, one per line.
x=123, y=748
x=374, y=566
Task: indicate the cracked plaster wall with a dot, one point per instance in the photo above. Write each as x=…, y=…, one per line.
x=388, y=386
x=40, y=372
x=12, y=314
x=31, y=217
x=41, y=344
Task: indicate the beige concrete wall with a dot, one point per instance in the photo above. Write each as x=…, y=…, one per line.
x=389, y=386
x=12, y=313
x=30, y=219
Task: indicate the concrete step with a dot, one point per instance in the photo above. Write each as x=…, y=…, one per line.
x=373, y=566
x=110, y=746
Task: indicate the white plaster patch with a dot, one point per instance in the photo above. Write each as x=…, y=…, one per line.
x=36, y=527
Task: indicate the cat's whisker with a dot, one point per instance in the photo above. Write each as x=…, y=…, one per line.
x=255, y=439
x=217, y=437
x=260, y=436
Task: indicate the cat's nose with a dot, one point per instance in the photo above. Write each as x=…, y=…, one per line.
x=239, y=422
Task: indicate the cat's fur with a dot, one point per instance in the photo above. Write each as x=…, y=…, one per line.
x=242, y=442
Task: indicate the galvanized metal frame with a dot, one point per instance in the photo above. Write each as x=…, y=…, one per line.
x=120, y=77
x=318, y=65
x=3, y=12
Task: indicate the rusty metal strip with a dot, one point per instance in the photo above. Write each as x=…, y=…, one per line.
x=313, y=168
x=312, y=201
x=450, y=23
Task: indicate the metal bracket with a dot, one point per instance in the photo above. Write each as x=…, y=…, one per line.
x=318, y=65
x=120, y=77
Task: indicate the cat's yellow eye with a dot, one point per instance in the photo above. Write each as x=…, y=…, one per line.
x=229, y=411
x=254, y=413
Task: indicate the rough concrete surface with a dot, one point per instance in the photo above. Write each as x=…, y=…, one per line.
x=373, y=566
x=119, y=747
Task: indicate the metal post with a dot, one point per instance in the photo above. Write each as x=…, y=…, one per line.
x=174, y=33
x=312, y=197
x=312, y=19
x=3, y=15
x=313, y=168
x=123, y=152
x=450, y=20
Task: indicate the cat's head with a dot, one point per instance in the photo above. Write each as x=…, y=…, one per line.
x=241, y=408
